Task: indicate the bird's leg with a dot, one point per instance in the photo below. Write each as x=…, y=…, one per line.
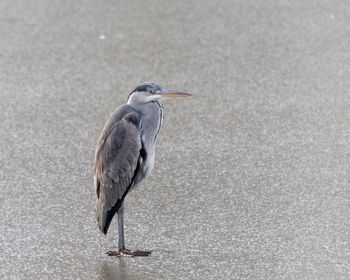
x=122, y=251
x=121, y=242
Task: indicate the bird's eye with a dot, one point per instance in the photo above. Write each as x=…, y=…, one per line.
x=151, y=91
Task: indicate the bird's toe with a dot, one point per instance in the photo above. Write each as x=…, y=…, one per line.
x=128, y=253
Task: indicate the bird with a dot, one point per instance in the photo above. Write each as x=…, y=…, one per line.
x=125, y=155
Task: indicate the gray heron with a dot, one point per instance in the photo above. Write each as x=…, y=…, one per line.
x=125, y=154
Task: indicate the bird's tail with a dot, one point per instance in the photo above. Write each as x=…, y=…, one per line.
x=104, y=217
x=101, y=217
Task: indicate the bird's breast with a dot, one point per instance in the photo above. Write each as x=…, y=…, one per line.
x=148, y=164
x=152, y=117
x=145, y=168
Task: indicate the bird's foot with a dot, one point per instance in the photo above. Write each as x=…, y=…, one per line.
x=129, y=253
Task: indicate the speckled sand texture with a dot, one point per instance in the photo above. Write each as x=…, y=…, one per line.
x=252, y=173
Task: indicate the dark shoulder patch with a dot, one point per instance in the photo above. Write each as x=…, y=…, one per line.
x=133, y=118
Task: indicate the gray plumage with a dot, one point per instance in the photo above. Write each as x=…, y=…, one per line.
x=125, y=152
x=124, y=156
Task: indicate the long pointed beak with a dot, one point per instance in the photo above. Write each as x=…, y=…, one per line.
x=167, y=94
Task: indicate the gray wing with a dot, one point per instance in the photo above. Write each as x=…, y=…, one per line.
x=116, y=163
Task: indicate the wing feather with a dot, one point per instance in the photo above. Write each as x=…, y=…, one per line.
x=116, y=161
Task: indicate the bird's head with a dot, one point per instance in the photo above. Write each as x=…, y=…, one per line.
x=149, y=91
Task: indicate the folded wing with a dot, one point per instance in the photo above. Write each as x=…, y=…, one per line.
x=117, y=160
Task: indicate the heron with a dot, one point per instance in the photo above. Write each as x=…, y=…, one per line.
x=125, y=154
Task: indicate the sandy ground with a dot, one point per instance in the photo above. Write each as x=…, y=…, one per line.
x=252, y=173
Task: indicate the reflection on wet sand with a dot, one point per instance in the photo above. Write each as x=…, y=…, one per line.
x=117, y=271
